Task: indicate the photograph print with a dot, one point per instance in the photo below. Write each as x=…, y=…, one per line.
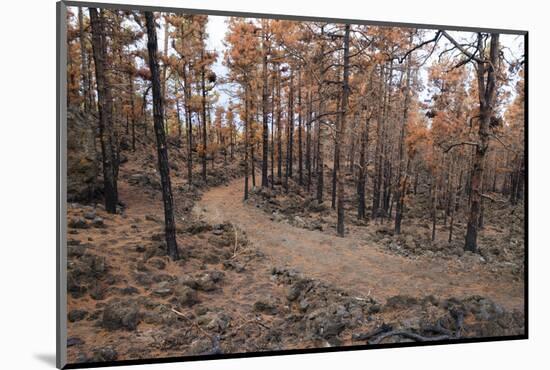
x=241, y=184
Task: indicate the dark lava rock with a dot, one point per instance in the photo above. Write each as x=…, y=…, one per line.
x=90, y=215
x=129, y=290
x=76, y=250
x=98, y=222
x=120, y=315
x=74, y=341
x=200, y=346
x=233, y=265
x=98, y=292
x=400, y=301
x=77, y=315
x=323, y=324
x=78, y=223
x=163, y=289
x=198, y=227
x=216, y=321
x=266, y=306
x=157, y=262
x=209, y=281
x=104, y=354
x=297, y=288
x=184, y=296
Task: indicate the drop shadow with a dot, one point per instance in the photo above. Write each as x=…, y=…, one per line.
x=46, y=358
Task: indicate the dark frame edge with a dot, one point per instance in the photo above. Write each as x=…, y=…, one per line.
x=290, y=17
x=302, y=351
x=526, y=185
x=61, y=198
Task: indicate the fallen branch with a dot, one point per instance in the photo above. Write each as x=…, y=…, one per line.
x=366, y=336
x=192, y=323
x=250, y=321
x=486, y=196
x=407, y=334
x=236, y=241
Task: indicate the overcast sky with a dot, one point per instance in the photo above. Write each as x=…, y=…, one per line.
x=217, y=28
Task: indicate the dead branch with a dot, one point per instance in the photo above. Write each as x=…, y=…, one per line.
x=472, y=143
x=459, y=47
x=192, y=323
x=366, y=336
x=507, y=147
x=236, y=241
x=435, y=39
x=486, y=196
x=407, y=334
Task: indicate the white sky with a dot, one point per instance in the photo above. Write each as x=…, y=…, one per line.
x=217, y=28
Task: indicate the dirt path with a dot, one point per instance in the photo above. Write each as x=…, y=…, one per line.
x=350, y=263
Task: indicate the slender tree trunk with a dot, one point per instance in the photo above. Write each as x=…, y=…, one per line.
x=362, y=174
x=336, y=158
x=377, y=179
x=434, y=205
x=162, y=150
x=133, y=108
x=320, y=129
x=84, y=62
x=265, y=129
x=487, y=89
x=290, y=130
x=272, y=133
x=341, y=132
x=290, y=148
x=402, y=177
x=106, y=130
x=204, y=137
x=300, y=153
x=178, y=112
x=279, y=129
x=164, y=71
x=246, y=138
x=308, y=140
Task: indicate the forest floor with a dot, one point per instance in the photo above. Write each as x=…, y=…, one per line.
x=246, y=282
x=353, y=263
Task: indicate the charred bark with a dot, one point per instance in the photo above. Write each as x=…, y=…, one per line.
x=162, y=150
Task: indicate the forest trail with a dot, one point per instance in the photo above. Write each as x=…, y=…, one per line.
x=353, y=264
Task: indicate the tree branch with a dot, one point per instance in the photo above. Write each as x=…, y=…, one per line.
x=472, y=143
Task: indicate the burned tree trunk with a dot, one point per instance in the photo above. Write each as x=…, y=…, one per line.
x=272, y=134
x=336, y=158
x=246, y=138
x=133, y=108
x=402, y=177
x=105, y=107
x=265, y=129
x=203, y=111
x=308, y=141
x=300, y=153
x=341, y=132
x=486, y=78
x=83, y=63
x=362, y=174
x=290, y=130
x=188, y=121
x=162, y=150
x=279, y=129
